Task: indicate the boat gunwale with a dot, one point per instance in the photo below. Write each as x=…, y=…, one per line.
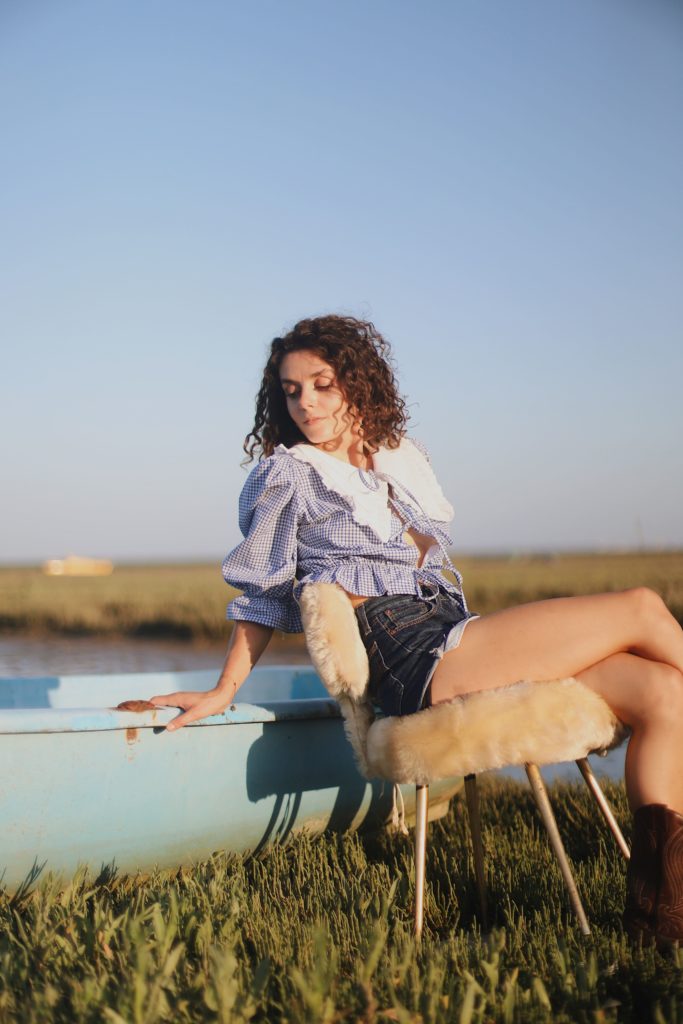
x=105, y=719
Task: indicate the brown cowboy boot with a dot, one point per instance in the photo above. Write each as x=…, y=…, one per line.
x=670, y=900
x=643, y=876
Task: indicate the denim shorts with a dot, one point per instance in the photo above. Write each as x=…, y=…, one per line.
x=406, y=637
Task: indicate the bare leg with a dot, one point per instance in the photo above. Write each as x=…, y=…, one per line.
x=647, y=696
x=558, y=638
x=627, y=647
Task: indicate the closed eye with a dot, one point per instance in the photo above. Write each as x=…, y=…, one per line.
x=320, y=385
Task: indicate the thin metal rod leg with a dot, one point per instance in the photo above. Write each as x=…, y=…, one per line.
x=472, y=796
x=421, y=808
x=543, y=803
x=603, y=804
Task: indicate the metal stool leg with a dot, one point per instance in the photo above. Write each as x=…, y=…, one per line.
x=421, y=808
x=543, y=803
x=472, y=796
x=601, y=800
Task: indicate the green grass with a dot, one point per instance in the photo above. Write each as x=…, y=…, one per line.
x=184, y=601
x=188, y=601
x=319, y=930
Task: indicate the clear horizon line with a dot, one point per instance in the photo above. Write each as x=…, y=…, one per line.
x=520, y=551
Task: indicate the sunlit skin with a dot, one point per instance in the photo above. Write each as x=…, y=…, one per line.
x=317, y=405
x=625, y=646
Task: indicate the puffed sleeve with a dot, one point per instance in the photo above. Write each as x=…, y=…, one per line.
x=263, y=566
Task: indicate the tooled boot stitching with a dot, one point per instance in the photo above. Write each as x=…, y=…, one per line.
x=670, y=902
x=643, y=876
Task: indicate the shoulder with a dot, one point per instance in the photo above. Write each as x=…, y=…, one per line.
x=407, y=446
x=280, y=465
x=409, y=453
x=279, y=470
x=420, y=445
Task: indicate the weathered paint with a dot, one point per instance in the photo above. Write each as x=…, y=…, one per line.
x=135, y=705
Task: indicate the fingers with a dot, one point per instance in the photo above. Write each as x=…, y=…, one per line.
x=179, y=699
x=184, y=719
x=204, y=709
x=193, y=703
x=164, y=700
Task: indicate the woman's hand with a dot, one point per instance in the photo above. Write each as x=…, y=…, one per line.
x=247, y=644
x=195, y=704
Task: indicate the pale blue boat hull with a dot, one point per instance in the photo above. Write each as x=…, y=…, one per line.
x=82, y=784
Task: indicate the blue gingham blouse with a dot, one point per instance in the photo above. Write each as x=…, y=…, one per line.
x=307, y=516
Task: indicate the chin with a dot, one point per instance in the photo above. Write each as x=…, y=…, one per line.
x=316, y=435
x=321, y=438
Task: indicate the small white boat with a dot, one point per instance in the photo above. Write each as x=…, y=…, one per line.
x=82, y=783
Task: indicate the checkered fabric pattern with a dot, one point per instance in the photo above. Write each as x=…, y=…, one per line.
x=298, y=531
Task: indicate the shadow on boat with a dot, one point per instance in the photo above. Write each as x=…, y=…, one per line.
x=278, y=768
x=87, y=778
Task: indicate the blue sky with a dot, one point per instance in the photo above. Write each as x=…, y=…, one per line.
x=496, y=185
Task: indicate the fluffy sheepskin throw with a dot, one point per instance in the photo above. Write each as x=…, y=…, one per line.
x=538, y=722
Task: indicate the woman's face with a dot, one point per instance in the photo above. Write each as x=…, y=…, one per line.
x=314, y=399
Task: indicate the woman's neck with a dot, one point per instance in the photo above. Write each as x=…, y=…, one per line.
x=347, y=450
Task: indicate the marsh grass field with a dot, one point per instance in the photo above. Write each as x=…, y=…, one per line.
x=319, y=929
x=187, y=602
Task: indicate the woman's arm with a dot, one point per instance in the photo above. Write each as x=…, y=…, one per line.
x=263, y=568
x=247, y=643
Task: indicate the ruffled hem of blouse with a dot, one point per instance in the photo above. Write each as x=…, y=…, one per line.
x=391, y=580
x=287, y=619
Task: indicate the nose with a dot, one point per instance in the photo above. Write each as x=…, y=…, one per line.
x=307, y=398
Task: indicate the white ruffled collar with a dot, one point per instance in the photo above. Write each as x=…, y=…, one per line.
x=404, y=468
x=410, y=472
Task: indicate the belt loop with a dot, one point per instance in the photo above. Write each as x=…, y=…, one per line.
x=363, y=620
x=429, y=592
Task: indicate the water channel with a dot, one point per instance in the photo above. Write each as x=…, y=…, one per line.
x=23, y=657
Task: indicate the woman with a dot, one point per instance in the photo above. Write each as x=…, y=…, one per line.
x=342, y=495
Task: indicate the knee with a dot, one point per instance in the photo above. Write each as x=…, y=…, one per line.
x=662, y=696
x=646, y=604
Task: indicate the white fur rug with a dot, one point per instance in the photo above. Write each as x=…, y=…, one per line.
x=539, y=722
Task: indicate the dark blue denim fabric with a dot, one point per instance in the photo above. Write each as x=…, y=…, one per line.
x=405, y=638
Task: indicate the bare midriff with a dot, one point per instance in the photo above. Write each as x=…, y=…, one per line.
x=421, y=541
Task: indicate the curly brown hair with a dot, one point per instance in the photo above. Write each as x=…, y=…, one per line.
x=361, y=360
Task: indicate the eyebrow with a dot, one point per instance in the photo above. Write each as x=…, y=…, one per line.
x=317, y=373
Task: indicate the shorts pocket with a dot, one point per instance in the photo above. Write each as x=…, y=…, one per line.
x=406, y=614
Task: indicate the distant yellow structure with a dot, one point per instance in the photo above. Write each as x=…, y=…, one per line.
x=77, y=565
